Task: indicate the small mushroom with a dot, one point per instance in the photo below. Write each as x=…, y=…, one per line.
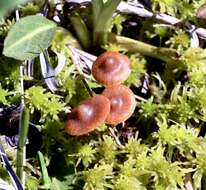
x=111, y=68
x=122, y=102
x=88, y=115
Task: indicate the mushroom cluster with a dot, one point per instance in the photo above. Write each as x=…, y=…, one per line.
x=116, y=103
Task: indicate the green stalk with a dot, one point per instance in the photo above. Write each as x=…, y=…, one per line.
x=24, y=128
x=81, y=30
x=102, y=15
x=164, y=54
x=46, y=181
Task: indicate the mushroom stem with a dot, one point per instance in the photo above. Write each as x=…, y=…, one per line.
x=164, y=54
x=75, y=58
x=90, y=91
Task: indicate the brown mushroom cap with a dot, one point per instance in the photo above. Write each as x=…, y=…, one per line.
x=111, y=68
x=88, y=115
x=122, y=102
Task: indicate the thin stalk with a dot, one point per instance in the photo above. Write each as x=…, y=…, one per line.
x=75, y=58
x=22, y=83
x=15, y=180
x=164, y=54
x=46, y=181
x=23, y=128
x=21, y=148
x=89, y=90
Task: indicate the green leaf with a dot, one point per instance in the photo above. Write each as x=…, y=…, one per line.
x=104, y=11
x=45, y=177
x=81, y=30
x=28, y=37
x=58, y=185
x=97, y=7
x=7, y=5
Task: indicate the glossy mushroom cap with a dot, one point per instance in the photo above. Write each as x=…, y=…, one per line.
x=122, y=103
x=111, y=68
x=88, y=115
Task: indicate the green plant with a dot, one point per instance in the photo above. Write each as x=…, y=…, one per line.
x=160, y=147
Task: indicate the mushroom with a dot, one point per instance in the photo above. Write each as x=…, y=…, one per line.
x=111, y=68
x=122, y=102
x=88, y=115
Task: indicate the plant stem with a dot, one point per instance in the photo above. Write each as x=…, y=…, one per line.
x=102, y=15
x=22, y=83
x=164, y=54
x=45, y=177
x=23, y=128
x=21, y=148
x=75, y=59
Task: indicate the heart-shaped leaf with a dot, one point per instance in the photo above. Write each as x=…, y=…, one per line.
x=28, y=37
